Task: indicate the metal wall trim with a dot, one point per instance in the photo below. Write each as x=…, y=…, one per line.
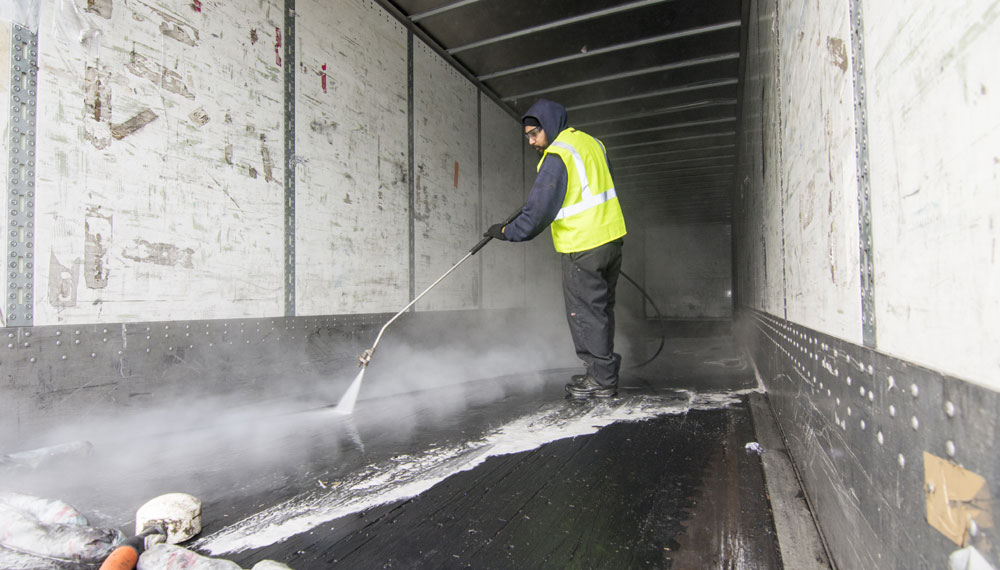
x=411, y=160
x=18, y=306
x=60, y=373
x=781, y=163
x=290, y=161
x=867, y=262
x=480, y=209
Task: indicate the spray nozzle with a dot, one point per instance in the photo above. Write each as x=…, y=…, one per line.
x=365, y=358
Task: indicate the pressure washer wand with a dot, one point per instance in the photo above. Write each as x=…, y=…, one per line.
x=366, y=356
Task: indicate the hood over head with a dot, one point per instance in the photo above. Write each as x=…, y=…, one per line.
x=551, y=115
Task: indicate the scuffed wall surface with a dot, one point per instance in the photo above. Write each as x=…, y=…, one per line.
x=760, y=267
x=688, y=270
x=797, y=211
x=352, y=203
x=934, y=127
x=503, y=188
x=160, y=179
x=932, y=135
x=859, y=420
x=22, y=12
x=822, y=283
x=446, y=203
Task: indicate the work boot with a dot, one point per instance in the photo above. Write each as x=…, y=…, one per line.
x=577, y=378
x=588, y=387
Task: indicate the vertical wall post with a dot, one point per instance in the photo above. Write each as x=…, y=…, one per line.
x=864, y=182
x=411, y=167
x=19, y=263
x=289, y=77
x=480, y=210
x=781, y=162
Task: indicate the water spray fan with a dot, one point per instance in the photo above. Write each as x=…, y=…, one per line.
x=346, y=404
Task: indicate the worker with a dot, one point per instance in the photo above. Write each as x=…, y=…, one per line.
x=574, y=192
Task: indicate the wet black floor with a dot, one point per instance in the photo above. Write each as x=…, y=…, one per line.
x=448, y=476
x=678, y=491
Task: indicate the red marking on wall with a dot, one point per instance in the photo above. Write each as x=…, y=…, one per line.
x=323, y=76
x=277, y=46
x=456, y=174
x=196, y=5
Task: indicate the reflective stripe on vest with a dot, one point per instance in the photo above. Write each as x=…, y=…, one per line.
x=588, y=201
x=590, y=215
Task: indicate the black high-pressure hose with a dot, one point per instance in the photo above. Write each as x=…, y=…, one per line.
x=659, y=317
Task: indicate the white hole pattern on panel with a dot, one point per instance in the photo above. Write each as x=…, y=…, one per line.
x=47, y=346
x=886, y=401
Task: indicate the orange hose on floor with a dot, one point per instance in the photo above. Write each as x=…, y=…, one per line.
x=123, y=558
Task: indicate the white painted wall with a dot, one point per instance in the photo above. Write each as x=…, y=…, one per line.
x=933, y=126
x=161, y=165
x=352, y=192
x=447, y=182
x=21, y=12
x=503, y=267
x=181, y=218
x=934, y=131
x=822, y=279
x=760, y=268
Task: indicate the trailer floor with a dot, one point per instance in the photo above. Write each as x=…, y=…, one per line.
x=677, y=491
x=496, y=473
x=677, y=488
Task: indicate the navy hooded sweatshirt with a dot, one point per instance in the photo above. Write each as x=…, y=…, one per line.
x=549, y=190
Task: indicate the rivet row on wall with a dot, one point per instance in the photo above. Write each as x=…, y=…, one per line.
x=859, y=396
x=18, y=305
x=47, y=344
x=867, y=263
x=858, y=425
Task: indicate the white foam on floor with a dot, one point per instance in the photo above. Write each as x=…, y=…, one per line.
x=406, y=476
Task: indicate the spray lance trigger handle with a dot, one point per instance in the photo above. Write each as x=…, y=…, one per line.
x=482, y=243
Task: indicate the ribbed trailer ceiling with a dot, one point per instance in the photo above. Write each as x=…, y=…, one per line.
x=656, y=80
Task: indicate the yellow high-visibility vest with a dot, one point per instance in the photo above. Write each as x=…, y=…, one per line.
x=590, y=215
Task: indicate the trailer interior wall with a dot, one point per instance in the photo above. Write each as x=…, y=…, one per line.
x=184, y=196
x=351, y=192
x=888, y=406
x=687, y=270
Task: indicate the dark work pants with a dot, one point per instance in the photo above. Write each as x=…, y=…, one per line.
x=589, y=279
